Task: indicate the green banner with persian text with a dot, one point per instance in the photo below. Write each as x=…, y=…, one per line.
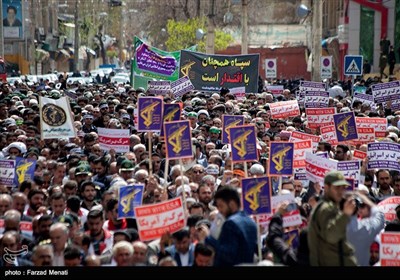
x=152, y=64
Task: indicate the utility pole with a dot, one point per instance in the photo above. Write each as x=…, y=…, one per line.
x=76, y=40
x=210, y=44
x=245, y=28
x=121, y=43
x=317, y=37
x=1, y=32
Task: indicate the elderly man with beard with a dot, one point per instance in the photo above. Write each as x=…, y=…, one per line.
x=384, y=189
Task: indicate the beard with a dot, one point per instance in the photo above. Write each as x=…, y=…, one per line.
x=36, y=206
x=384, y=186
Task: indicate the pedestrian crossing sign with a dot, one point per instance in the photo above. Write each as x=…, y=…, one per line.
x=353, y=65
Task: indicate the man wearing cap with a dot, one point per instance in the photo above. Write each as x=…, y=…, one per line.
x=99, y=122
x=202, y=115
x=215, y=134
x=82, y=173
x=218, y=110
x=327, y=239
x=88, y=126
x=126, y=170
x=192, y=117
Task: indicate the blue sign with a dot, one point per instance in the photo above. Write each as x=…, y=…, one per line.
x=243, y=142
x=345, y=126
x=178, y=139
x=24, y=170
x=281, y=159
x=292, y=238
x=353, y=65
x=129, y=198
x=257, y=195
x=150, y=114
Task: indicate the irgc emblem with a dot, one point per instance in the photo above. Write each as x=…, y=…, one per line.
x=53, y=115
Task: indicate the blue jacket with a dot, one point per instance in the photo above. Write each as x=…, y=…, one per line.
x=237, y=242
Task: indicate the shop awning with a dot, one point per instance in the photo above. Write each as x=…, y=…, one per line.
x=41, y=55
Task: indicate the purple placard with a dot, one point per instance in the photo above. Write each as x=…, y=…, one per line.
x=227, y=123
x=281, y=159
x=352, y=186
x=312, y=86
x=364, y=97
x=243, y=143
x=386, y=91
x=322, y=154
x=316, y=99
x=292, y=238
x=345, y=126
x=383, y=155
x=256, y=194
x=150, y=114
x=71, y=95
x=159, y=87
x=178, y=139
x=181, y=86
x=7, y=172
x=148, y=60
x=351, y=169
x=395, y=106
x=300, y=176
x=171, y=112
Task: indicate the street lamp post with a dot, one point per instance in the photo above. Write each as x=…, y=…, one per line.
x=1, y=32
x=245, y=28
x=317, y=37
x=210, y=43
x=76, y=39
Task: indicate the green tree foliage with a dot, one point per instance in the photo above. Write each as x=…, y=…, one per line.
x=182, y=34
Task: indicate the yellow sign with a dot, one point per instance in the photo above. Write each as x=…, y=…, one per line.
x=277, y=158
x=343, y=126
x=21, y=171
x=147, y=113
x=240, y=143
x=252, y=195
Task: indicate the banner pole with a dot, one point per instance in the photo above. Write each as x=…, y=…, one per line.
x=259, y=241
x=183, y=185
x=150, y=135
x=166, y=173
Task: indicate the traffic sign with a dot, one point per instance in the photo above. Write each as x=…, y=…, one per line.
x=353, y=65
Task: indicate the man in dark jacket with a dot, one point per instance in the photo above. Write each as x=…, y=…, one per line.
x=237, y=241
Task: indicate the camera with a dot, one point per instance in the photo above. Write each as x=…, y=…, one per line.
x=358, y=201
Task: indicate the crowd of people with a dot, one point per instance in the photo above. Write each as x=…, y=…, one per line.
x=71, y=201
